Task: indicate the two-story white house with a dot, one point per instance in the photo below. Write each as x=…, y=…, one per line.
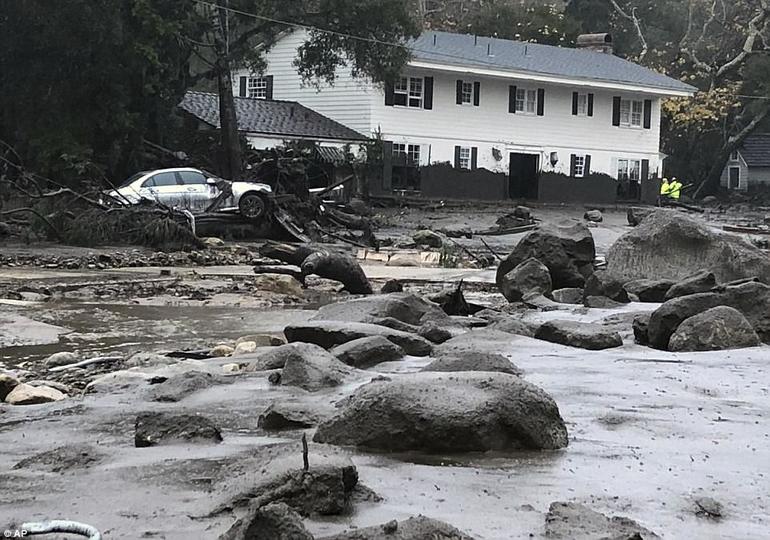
x=509, y=107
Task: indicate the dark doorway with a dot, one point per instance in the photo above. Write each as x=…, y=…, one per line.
x=522, y=176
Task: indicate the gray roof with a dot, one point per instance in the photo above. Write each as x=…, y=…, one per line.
x=755, y=150
x=465, y=50
x=270, y=117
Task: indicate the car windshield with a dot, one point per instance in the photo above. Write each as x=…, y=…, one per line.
x=133, y=178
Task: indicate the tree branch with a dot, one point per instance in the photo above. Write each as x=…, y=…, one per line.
x=637, y=25
x=748, y=45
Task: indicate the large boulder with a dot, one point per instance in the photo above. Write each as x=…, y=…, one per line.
x=7, y=383
x=447, y=412
x=752, y=299
x=473, y=361
x=434, y=333
x=715, y=329
x=649, y=290
x=702, y=281
x=404, y=307
x=182, y=385
x=640, y=327
x=287, y=415
x=603, y=284
x=414, y=528
x=567, y=250
x=328, y=334
x=276, y=358
x=26, y=394
x=670, y=245
x=161, y=428
x=312, y=368
x=276, y=521
x=529, y=277
x=574, y=521
x=589, y=336
x=482, y=340
x=635, y=214
x=367, y=352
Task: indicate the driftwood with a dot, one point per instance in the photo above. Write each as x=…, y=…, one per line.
x=338, y=267
x=89, y=362
x=288, y=253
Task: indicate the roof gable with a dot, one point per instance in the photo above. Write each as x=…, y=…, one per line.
x=755, y=150
x=465, y=50
x=269, y=117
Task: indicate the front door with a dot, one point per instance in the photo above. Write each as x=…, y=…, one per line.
x=522, y=176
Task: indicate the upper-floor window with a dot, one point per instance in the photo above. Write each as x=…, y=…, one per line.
x=256, y=87
x=629, y=169
x=631, y=113
x=466, y=95
x=580, y=166
x=582, y=105
x=526, y=100
x=407, y=92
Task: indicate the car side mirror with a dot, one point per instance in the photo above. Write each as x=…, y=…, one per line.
x=211, y=181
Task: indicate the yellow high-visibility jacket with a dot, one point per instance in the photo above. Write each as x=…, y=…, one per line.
x=665, y=189
x=675, y=190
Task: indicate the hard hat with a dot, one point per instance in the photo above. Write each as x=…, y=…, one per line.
x=665, y=179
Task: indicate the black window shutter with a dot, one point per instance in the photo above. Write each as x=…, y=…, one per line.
x=269, y=89
x=427, y=102
x=590, y=104
x=512, y=99
x=574, y=103
x=387, y=165
x=572, y=164
x=476, y=92
x=647, y=113
x=457, y=157
x=389, y=94
x=587, y=165
x=459, y=92
x=616, y=111
x=540, y=101
x=242, y=90
x=474, y=157
x=645, y=169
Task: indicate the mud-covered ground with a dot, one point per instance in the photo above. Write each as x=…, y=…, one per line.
x=650, y=431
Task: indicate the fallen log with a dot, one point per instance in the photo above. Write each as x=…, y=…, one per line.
x=288, y=253
x=338, y=267
x=747, y=230
x=89, y=362
x=512, y=230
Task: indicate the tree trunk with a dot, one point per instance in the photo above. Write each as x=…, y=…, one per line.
x=228, y=122
x=710, y=184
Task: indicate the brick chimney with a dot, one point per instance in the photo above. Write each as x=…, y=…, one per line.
x=595, y=42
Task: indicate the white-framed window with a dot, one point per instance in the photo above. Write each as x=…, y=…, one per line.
x=465, y=157
x=631, y=113
x=734, y=177
x=256, y=87
x=582, y=105
x=629, y=169
x=526, y=100
x=580, y=166
x=408, y=92
x=466, y=96
x=410, y=151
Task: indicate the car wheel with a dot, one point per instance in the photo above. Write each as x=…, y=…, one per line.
x=252, y=206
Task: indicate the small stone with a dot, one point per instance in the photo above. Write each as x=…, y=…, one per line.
x=594, y=216
x=390, y=527
x=25, y=394
x=212, y=241
x=221, y=350
x=708, y=507
x=231, y=368
x=63, y=358
x=392, y=286
x=278, y=283
x=245, y=347
x=262, y=340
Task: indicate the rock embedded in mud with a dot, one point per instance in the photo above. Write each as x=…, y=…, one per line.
x=328, y=334
x=276, y=358
x=484, y=340
x=62, y=459
x=404, y=307
x=428, y=238
x=161, y=428
x=287, y=416
x=702, y=281
x=63, y=358
x=180, y=386
x=649, y=290
x=312, y=368
x=434, y=333
x=529, y=277
x=262, y=340
x=752, y=299
x=391, y=286
x=221, y=350
x=568, y=295
x=589, y=336
x=367, y=352
x=447, y=412
x=473, y=361
x=245, y=347
x=600, y=283
x=338, y=267
x=7, y=383
x=708, y=507
x=26, y=394
x=715, y=329
x=278, y=283
x=594, y=216
x=601, y=302
x=275, y=521
x=574, y=521
x=414, y=528
x=640, y=327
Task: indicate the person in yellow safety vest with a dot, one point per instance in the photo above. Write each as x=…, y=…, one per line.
x=675, y=189
x=665, y=188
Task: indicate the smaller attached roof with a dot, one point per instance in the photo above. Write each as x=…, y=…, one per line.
x=755, y=150
x=269, y=117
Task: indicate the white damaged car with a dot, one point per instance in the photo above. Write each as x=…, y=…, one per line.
x=193, y=190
